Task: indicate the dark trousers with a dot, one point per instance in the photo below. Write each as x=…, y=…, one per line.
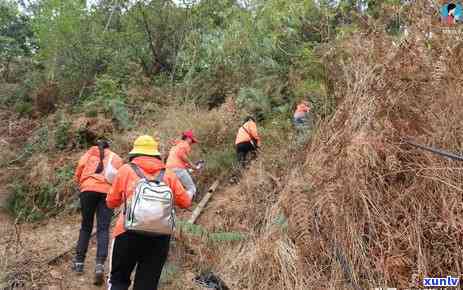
x=91, y=203
x=243, y=150
x=148, y=253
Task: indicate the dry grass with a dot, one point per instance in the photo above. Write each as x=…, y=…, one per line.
x=363, y=209
x=390, y=212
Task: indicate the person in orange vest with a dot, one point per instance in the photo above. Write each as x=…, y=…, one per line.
x=247, y=140
x=94, y=180
x=301, y=114
x=148, y=253
x=179, y=161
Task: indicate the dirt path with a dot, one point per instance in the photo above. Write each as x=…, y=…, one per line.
x=62, y=277
x=44, y=240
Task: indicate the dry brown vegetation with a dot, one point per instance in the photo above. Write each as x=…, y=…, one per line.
x=365, y=210
x=356, y=208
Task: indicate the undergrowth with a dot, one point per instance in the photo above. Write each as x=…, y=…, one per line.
x=37, y=200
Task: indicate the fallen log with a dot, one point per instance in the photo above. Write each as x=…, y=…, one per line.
x=203, y=202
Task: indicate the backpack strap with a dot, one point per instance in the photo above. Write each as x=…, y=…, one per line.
x=140, y=175
x=137, y=170
x=253, y=140
x=160, y=177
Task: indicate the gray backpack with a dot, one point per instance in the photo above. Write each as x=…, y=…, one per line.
x=150, y=210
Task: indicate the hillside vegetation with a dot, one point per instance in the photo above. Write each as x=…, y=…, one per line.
x=350, y=207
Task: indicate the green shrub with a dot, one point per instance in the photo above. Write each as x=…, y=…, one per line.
x=254, y=101
x=23, y=108
x=108, y=98
x=197, y=230
x=91, y=112
x=227, y=237
x=219, y=161
x=38, y=142
x=62, y=135
x=120, y=114
x=28, y=204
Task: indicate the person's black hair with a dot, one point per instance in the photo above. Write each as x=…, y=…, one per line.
x=249, y=118
x=133, y=156
x=451, y=6
x=102, y=145
x=184, y=137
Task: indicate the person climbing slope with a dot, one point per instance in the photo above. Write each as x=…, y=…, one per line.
x=144, y=227
x=303, y=122
x=94, y=174
x=179, y=161
x=301, y=116
x=247, y=140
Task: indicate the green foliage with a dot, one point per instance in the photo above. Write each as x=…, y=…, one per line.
x=57, y=25
x=38, y=142
x=28, y=204
x=218, y=161
x=23, y=108
x=108, y=98
x=192, y=229
x=197, y=230
x=254, y=101
x=226, y=237
x=265, y=53
x=62, y=135
x=64, y=174
x=106, y=89
x=120, y=114
x=16, y=37
x=212, y=48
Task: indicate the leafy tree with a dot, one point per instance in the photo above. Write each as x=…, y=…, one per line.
x=16, y=37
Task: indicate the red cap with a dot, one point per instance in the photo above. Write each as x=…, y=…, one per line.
x=189, y=134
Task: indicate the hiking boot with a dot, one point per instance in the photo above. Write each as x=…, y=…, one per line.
x=99, y=275
x=77, y=267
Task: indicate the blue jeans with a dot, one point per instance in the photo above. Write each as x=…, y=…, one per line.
x=186, y=180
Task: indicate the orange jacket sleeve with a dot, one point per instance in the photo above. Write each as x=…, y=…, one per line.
x=117, y=161
x=115, y=197
x=182, y=154
x=80, y=168
x=182, y=199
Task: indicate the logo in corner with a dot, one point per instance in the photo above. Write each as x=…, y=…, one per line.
x=451, y=13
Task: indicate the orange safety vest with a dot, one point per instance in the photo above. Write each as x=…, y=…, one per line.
x=178, y=154
x=247, y=132
x=85, y=175
x=126, y=179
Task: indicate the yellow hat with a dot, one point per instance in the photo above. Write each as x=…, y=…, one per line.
x=145, y=145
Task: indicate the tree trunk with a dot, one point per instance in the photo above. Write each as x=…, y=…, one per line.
x=155, y=66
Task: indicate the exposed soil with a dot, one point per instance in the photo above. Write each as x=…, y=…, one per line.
x=45, y=240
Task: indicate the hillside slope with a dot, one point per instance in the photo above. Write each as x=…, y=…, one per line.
x=353, y=208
